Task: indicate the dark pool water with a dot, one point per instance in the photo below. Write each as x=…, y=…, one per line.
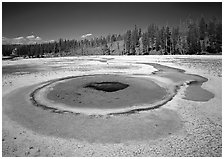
x=107, y=86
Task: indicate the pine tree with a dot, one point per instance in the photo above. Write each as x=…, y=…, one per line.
x=113, y=38
x=163, y=39
x=139, y=33
x=193, y=40
x=174, y=39
x=202, y=28
x=145, y=43
x=212, y=35
x=153, y=33
x=218, y=37
x=127, y=41
x=108, y=38
x=167, y=41
x=134, y=40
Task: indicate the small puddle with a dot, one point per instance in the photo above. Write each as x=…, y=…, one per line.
x=19, y=69
x=194, y=91
x=28, y=69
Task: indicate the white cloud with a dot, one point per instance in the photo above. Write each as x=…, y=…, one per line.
x=30, y=37
x=86, y=35
x=6, y=40
x=38, y=38
x=19, y=38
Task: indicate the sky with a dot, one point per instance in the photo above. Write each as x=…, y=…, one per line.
x=71, y=20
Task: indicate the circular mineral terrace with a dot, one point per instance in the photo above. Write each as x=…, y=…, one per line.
x=102, y=94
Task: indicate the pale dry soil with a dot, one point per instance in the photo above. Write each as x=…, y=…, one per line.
x=181, y=127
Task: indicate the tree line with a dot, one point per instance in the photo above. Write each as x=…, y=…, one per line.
x=62, y=46
x=190, y=37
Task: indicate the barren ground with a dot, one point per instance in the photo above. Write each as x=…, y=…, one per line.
x=181, y=127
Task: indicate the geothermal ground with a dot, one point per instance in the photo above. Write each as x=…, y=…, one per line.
x=112, y=106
